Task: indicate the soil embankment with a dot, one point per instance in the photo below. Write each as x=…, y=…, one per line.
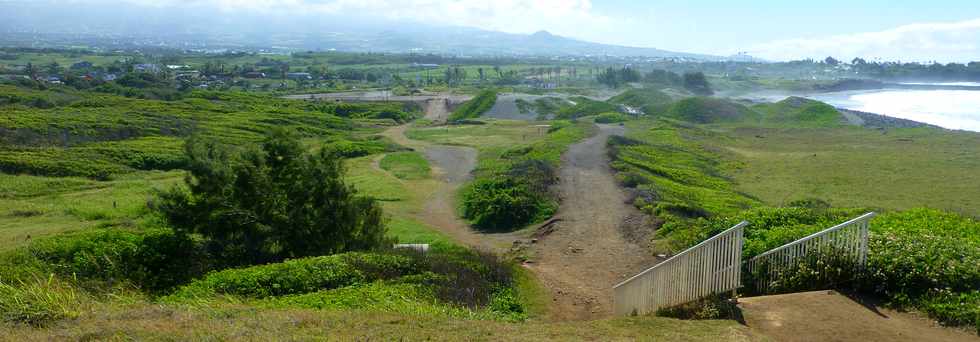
x=829, y=316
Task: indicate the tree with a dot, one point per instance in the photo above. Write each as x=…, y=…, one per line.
x=697, y=83
x=831, y=61
x=271, y=203
x=53, y=69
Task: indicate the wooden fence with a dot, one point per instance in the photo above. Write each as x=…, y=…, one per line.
x=713, y=266
x=843, y=243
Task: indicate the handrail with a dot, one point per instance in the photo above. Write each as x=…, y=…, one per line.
x=817, y=234
x=709, y=240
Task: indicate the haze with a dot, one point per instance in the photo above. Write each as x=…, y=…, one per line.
x=944, y=31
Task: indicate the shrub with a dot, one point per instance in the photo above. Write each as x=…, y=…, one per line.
x=269, y=204
x=302, y=275
x=711, y=307
x=696, y=83
x=927, y=259
x=504, y=202
x=155, y=260
x=607, y=118
x=584, y=107
x=459, y=278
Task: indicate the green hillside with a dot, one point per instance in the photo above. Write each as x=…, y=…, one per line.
x=800, y=111
x=66, y=132
x=711, y=110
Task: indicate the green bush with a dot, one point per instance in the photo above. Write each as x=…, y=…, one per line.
x=476, y=107
x=927, y=259
x=270, y=204
x=608, y=118
x=302, y=275
x=504, y=203
x=512, y=191
x=584, y=107
x=154, y=260
x=711, y=307
x=385, y=281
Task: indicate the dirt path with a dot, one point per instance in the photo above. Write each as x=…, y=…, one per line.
x=582, y=253
x=451, y=165
x=437, y=110
x=829, y=316
x=585, y=253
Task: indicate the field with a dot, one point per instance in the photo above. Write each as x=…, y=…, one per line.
x=894, y=170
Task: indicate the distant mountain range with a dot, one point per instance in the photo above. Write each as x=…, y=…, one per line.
x=124, y=24
x=469, y=41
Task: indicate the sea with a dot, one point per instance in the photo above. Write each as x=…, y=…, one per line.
x=952, y=109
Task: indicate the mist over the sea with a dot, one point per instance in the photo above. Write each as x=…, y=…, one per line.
x=953, y=109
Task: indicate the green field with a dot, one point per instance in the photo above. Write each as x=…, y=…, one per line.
x=851, y=167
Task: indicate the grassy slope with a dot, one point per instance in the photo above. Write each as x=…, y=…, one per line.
x=711, y=110
x=849, y=167
x=33, y=206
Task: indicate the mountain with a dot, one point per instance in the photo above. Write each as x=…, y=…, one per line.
x=126, y=25
x=474, y=42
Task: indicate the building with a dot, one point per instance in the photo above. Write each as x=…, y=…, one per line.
x=151, y=68
x=299, y=76
x=82, y=65
x=254, y=74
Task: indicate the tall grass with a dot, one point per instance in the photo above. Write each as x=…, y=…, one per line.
x=38, y=301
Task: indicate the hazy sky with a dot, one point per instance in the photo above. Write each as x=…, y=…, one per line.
x=944, y=30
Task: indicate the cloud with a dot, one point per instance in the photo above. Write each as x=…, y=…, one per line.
x=570, y=17
x=954, y=41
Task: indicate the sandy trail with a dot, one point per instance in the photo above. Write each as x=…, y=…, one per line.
x=830, y=316
x=586, y=253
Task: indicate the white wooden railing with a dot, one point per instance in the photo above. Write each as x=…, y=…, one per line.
x=713, y=266
x=846, y=241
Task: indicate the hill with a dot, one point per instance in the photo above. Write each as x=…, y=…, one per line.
x=711, y=110
x=65, y=132
x=800, y=111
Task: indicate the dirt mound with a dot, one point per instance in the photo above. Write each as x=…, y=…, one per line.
x=829, y=316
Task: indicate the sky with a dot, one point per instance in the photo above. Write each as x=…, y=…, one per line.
x=941, y=30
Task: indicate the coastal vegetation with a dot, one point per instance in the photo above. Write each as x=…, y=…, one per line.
x=196, y=201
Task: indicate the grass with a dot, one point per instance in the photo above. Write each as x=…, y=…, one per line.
x=710, y=110
x=38, y=301
x=406, y=165
x=66, y=132
x=852, y=167
x=145, y=321
x=476, y=107
x=32, y=207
